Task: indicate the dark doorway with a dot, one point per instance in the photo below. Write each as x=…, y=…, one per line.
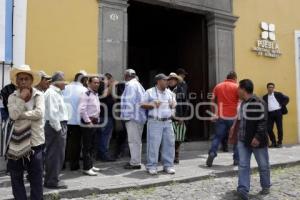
x=161, y=39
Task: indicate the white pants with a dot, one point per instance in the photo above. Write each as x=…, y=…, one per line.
x=135, y=132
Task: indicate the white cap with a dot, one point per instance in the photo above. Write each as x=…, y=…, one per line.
x=130, y=72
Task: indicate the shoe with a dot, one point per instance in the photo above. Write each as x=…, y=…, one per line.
x=129, y=166
x=152, y=171
x=176, y=161
x=169, y=170
x=90, y=172
x=60, y=185
x=279, y=146
x=265, y=191
x=273, y=145
x=210, y=160
x=235, y=163
x=95, y=169
x=242, y=196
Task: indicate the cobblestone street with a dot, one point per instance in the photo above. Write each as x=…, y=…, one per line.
x=286, y=184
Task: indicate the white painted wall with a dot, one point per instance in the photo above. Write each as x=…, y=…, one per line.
x=2, y=30
x=19, y=26
x=297, y=60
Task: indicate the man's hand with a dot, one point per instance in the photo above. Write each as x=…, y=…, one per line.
x=172, y=104
x=156, y=103
x=231, y=131
x=255, y=143
x=25, y=94
x=214, y=118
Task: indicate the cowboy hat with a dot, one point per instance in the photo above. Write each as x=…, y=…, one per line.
x=173, y=75
x=44, y=75
x=24, y=69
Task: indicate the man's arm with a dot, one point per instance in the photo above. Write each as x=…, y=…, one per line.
x=39, y=110
x=285, y=99
x=83, y=103
x=145, y=102
x=16, y=106
x=52, y=106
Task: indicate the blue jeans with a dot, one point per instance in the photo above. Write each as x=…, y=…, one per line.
x=160, y=133
x=262, y=158
x=222, y=128
x=104, y=138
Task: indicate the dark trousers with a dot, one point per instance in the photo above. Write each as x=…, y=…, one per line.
x=34, y=167
x=275, y=117
x=121, y=141
x=55, y=153
x=177, y=149
x=73, y=149
x=104, y=136
x=88, y=146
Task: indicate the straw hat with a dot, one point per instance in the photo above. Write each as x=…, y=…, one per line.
x=23, y=69
x=173, y=75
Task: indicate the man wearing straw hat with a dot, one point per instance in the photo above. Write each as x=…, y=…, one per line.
x=26, y=107
x=44, y=84
x=179, y=126
x=56, y=117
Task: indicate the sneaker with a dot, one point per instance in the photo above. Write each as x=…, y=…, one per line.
x=169, y=170
x=152, y=171
x=90, y=172
x=129, y=166
x=279, y=145
x=265, y=191
x=210, y=160
x=95, y=169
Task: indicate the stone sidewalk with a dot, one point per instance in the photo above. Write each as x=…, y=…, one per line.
x=114, y=178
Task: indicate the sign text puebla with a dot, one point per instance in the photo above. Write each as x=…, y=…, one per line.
x=267, y=45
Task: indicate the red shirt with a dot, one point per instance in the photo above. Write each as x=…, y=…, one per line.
x=226, y=94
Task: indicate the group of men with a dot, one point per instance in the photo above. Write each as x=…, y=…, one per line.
x=157, y=106
x=246, y=121
x=55, y=122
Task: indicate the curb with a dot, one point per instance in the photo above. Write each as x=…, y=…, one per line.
x=96, y=191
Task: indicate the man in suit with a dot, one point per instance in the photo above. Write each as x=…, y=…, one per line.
x=277, y=103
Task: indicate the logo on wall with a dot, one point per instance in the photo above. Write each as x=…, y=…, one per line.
x=267, y=45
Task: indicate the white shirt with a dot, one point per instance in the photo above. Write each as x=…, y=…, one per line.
x=273, y=103
x=164, y=97
x=72, y=94
x=56, y=109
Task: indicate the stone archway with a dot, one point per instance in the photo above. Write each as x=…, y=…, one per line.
x=113, y=29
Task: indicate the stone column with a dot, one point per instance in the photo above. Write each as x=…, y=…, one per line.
x=220, y=46
x=113, y=37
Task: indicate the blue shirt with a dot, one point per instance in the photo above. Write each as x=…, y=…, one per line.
x=131, y=102
x=72, y=94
